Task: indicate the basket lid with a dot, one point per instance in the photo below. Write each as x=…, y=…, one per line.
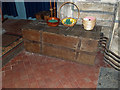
x=89, y=18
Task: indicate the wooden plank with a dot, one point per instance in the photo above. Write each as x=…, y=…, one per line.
x=58, y=52
x=95, y=6
x=89, y=45
x=99, y=22
x=32, y=46
x=33, y=35
x=60, y=40
x=82, y=33
x=11, y=54
x=111, y=33
x=98, y=16
x=86, y=58
x=35, y=25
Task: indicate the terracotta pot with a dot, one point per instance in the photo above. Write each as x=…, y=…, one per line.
x=53, y=24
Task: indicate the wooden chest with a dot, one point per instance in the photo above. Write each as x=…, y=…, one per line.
x=68, y=43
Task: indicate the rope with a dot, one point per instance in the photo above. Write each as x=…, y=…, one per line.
x=109, y=56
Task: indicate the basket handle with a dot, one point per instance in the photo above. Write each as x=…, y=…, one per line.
x=70, y=3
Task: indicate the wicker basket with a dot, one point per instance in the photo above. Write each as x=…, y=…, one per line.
x=74, y=21
x=89, y=24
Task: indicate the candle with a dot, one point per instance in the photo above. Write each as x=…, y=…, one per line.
x=54, y=9
x=51, y=8
x=50, y=4
x=54, y=3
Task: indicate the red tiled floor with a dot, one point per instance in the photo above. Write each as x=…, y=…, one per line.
x=28, y=70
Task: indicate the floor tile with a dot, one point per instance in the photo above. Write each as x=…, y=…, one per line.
x=28, y=70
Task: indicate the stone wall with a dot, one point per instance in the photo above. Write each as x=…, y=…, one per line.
x=106, y=12
x=115, y=44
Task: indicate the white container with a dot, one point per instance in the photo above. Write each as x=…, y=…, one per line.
x=89, y=22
